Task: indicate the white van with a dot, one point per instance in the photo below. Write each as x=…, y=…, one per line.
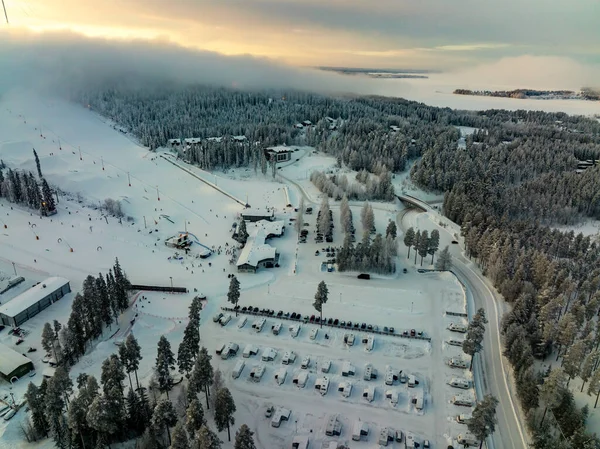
x=314, y=333
x=242, y=322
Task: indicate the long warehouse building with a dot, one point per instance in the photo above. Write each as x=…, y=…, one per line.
x=33, y=301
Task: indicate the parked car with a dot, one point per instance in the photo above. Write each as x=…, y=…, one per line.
x=413, y=332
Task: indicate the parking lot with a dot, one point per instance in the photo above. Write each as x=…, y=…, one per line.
x=416, y=302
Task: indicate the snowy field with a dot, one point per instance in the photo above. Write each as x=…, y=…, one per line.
x=165, y=198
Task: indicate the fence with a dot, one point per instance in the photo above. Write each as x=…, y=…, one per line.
x=157, y=288
x=302, y=320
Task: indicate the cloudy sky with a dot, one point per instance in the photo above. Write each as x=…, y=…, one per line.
x=419, y=34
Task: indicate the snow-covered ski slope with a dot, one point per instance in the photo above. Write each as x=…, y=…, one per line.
x=109, y=160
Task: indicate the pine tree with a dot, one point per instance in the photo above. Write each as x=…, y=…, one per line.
x=48, y=199
x=594, y=386
x=573, y=359
x=300, y=216
x=423, y=245
x=444, y=262
x=112, y=375
x=409, y=239
x=35, y=398
x=224, y=410
x=242, y=232
x=472, y=343
x=233, y=295
x=434, y=243
x=134, y=355
x=589, y=366
x=78, y=409
x=180, y=439
x=194, y=416
x=165, y=361
x=103, y=300
x=321, y=298
x=202, y=375
x=391, y=229
x=37, y=164
x=416, y=242
x=323, y=220
x=164, y=417
x=195, y=309
x=207, y=439
x=552, y=389
x=244, y=439
x=54, y=409
x=188, y=348
x=49, y=340
x=483, y=420
x=367, y=218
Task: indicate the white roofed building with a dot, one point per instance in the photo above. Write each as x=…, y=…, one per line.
x=278, y=154
x=256, y=252
x=13, y=364
x=33, y=301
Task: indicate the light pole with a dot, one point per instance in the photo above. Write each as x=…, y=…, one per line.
x=171, y=277
x=411, y=306
x=15, y=268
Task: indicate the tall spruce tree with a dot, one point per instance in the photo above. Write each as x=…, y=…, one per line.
x=472, y=343
x=233, y=295
x=37, y=164
x=207, y=439
x=423, y=245
x=189, y=347
x=202, y=375
x=434, y=243
x=409, y=238
x=134, y=355
x=180, y=439
x=164, y=417
x=244, y=438
x=194, y=416
x=483, y=420
x=444, y=262
x=224, y=410
x=321, y=297
x=165, y=361
x=48, y=200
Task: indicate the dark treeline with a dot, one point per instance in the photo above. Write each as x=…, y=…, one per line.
x=96, y=414
x=22, y=187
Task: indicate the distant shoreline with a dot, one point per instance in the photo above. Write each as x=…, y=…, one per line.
x=380, y=73
x=585, y=94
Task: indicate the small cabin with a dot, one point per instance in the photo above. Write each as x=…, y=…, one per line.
x=305, y=362
x=281, y=414
x=385, y=436
x=393, y=396
x=276, y=328
x=370, y=372
x=369, y=394
x=326, y=366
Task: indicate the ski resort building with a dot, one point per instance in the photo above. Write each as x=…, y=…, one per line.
x=278, y=154
x=13, y=364
x=252, y=215
x=31, y=302
x=257, y=253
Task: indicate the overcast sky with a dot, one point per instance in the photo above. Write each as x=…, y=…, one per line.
x=427, y=34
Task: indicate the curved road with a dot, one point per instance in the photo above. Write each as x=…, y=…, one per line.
x=489, y=365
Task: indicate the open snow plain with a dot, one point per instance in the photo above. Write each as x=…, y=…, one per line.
x=89, y=161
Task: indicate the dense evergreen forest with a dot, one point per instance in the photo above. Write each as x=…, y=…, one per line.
x=514, y=179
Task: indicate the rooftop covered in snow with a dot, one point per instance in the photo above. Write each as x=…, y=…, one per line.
x=32, y=296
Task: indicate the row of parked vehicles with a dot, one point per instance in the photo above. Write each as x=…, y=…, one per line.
x=316, y=320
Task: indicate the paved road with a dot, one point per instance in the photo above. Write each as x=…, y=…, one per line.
x=489, y=365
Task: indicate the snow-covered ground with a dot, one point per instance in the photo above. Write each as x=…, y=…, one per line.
x=166, y=198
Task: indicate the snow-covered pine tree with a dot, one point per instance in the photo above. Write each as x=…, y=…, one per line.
x=244, y=438
x=165, y=361
x=48, y=200
x=224, y=410
x=194, y=416
x=37, y=164
x=233, y=295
